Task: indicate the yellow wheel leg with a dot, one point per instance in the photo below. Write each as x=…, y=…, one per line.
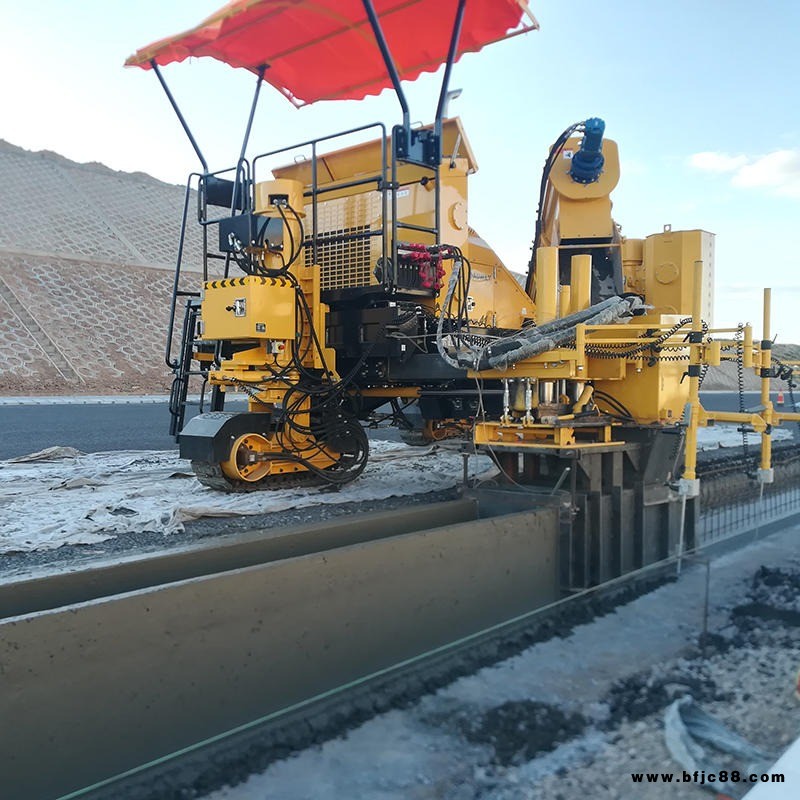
x=243, y=464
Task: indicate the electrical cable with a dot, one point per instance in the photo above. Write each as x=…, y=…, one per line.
x=555, y=151
x=740, y=380
x=617, y=351
x=619, y=407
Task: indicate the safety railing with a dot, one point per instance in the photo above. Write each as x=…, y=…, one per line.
x=315, y=191
x=725, y=521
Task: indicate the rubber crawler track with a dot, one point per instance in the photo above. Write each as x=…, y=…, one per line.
x=211, y=475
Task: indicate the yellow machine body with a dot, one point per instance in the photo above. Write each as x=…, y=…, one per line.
x=579, y=210
x=652, y=390
x=253, y=307
x=573, y=396
x=498, y=299
x=669, y=279
x=661, y=268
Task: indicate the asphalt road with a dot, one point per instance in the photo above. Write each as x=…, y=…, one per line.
x=729, y=401
x=87, y=427
x=144, y=426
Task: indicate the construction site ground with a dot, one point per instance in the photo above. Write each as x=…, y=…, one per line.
x=60, y=506
x=83, y=317
x=575, y=716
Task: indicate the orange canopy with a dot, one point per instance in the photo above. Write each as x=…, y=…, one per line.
x=325, y=49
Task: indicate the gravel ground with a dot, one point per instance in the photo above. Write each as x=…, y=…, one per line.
x=574, y=716
x=142, y=542
x=69, y=556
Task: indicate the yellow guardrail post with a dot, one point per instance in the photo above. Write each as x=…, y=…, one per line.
x=747, y=347
x=765, y=473
x=689, y=484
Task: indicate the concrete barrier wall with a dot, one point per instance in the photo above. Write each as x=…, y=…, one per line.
x=212, y=556
x=93, y=689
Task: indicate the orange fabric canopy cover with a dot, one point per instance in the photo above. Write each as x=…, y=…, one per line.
x=325, y=49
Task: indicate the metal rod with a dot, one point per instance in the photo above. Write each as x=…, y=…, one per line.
x=760, y=517
x=173, y=364
x=319, y=139
x=384, y=192
x=179, y=114
x=766, y=362
x=261, y=70
x=451, y=55
x=410, y=226
x=682, y=535
x=437, y=190
x=690, y=459
x=314, y=193
x=561, y=480
x=393, y=74
x=390, y=262
x=335, y=187
x=388, y=60
x=706, y=603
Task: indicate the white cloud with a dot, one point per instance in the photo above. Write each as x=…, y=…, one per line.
x=717, y=162
x=778, y=171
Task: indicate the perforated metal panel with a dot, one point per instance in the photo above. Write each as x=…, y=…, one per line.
x=348, y=260
x=344, y=263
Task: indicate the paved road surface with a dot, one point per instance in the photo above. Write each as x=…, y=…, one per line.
x=91, y=428
x=130, y=426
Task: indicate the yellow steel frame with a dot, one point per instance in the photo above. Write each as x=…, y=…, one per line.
x=654, y=392
x=537, y=436
x=576, y=363
x=762, y=421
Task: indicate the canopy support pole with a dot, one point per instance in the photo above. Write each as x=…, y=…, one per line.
x=261, y=70
x=451, y=57
x=388, y=60
x=178, y=113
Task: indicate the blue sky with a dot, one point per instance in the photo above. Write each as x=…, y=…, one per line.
x=702, y=98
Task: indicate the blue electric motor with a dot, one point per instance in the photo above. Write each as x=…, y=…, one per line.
x=587, y=163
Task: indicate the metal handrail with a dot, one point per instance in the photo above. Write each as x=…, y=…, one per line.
x=172, y=364
x=315, y=191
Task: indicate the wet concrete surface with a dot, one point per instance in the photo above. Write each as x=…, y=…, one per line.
x=575, y=714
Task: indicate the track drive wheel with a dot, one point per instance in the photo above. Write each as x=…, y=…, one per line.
x=243, y=463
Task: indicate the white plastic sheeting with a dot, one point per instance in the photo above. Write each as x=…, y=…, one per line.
x=700, y=743
x=61, y=496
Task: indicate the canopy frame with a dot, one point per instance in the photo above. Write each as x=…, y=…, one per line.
x=409, y=146
x=179, y=114
x=185, y=125
x=421, y=148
